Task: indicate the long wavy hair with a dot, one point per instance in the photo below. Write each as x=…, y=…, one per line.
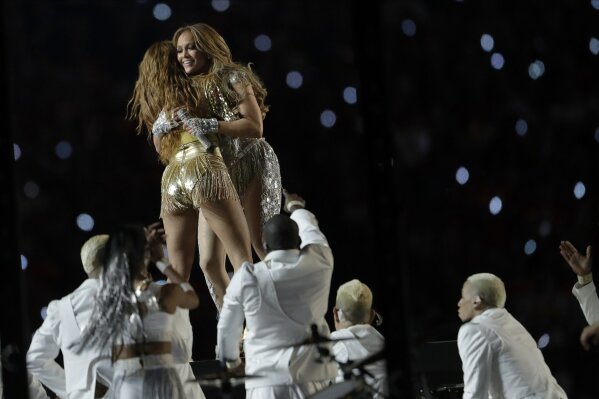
x=116, y=317
x=161, y=85
x=214, y=46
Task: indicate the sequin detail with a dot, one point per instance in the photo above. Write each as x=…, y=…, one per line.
x=193, y=177
x=246, y=157
x=163, y=124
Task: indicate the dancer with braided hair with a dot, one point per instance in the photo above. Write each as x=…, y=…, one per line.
x=134, y=317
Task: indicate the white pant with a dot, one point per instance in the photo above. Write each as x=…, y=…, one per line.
x=294, y=391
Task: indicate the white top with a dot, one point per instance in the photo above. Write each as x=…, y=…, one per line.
x=65, y=320
x=368, y=342
x=280, y=298
x=589, y=302
x=501, y=360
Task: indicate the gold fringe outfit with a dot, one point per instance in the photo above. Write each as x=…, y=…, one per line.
x=245, y=157
x=194, y=176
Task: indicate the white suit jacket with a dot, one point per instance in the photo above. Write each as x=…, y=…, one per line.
x=62, y=327
x=368, y=342
x=589, y=302
x=281, y=297
x=501, y=360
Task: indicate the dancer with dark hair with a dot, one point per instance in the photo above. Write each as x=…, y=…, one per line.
x=134, y=316
x=195, y=177
x=233, y=106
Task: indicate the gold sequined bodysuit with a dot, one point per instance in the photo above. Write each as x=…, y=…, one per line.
x=194, y=176
x=246, y=157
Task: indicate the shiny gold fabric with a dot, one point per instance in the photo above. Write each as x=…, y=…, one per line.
x=245, y=157
x=193, y=177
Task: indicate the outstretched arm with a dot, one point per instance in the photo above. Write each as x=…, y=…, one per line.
x=584, y=290
x=306, y=221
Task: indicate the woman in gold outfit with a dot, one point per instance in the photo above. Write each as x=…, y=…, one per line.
x=234, y=96
x=195, y=178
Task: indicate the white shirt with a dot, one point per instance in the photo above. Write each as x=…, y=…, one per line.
x=589, y=302
x=368, y=342
x=501, y=360
x=59, y=331
x=280, y=298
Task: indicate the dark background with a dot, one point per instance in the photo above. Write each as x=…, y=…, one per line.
x=72, y=65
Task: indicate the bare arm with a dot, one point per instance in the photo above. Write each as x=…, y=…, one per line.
x=173, y=296
x=250, y=123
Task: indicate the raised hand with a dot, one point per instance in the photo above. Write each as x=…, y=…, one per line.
x=590, y=336
x=580, y=264
x=292, y=201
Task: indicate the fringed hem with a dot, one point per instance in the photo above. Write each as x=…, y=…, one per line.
x=190, y=183
x=259, y=159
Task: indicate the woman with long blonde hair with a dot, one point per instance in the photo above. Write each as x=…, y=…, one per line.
x=235, y=96
x=195, y=178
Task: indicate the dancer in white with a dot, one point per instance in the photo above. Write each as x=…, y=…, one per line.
x=499, y=357
x=353, y=314
x=134, y=317
x=280, y=299
x=65, y=320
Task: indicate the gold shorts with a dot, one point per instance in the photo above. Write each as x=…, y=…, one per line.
x=194, y=177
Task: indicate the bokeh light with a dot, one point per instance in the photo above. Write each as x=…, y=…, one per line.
x=328, y=118
x=85, y=222
x=162, y=11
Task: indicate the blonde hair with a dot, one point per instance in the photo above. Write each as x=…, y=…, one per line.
x=214, y=46
x=92, y=254
x=489, y=288
x=354, y=298
x=161, y=85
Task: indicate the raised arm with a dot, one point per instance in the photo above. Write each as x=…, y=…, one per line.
x=177, y=293
x=306, y=221
x=584, y=290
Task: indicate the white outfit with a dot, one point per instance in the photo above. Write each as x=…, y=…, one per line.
x=589, y=302
x=65, y=320
x=281, y=298
x=149, y=376
x=182, y=343
x=501, y=360
x=367, y=342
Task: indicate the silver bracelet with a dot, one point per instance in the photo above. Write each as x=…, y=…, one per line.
x=294, y=203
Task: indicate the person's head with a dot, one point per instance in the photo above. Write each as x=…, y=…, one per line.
x=116, y=314
x=92, y=255
x=201, y=49
x=480, y=292
x=280, y=232
x=127, y=252
x=353, y=305
x=161, y=85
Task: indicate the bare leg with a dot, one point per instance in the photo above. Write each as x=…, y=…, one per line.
x=225, y=229
x=212, y=262
x=253, y=213
x=180, y=232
